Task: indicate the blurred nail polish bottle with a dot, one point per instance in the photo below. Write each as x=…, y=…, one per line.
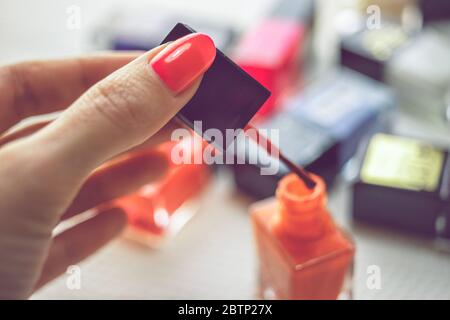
x=271, y=51
x=403, y=185
x=158, y=211
x=423, y=90
x=369, y=51
x=414, y=65
x=388, y=54
x=348, y=106
x=302, y=253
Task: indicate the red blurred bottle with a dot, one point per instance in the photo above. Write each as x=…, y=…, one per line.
x=159, y=210
x=302, y=253
x=271, y=53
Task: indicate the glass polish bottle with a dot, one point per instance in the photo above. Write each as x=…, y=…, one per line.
x=302, y=253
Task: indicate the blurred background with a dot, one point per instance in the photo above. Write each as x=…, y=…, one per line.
x=361, y=96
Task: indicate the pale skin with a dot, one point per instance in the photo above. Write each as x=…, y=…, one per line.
x=49, y=171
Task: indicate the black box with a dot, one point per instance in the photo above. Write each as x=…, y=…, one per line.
x=403, y=183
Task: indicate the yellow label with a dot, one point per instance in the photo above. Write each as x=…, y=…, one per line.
x=402, y=163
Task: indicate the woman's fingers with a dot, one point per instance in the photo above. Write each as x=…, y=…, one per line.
x=79, y=242
x=46, y=170
x=23, y=132
x=118, y=178
x=163, y=135
x=124, y=109
x=39, y=87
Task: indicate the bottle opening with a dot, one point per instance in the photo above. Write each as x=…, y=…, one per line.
x=298, y=188
x=296, y=196
x=302, y=210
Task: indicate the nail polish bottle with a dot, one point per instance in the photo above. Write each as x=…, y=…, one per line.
x=403, y=185
x=348, y=106
x=302, y=253
x=388, y=55
x=270, y=52
x=423, y=90
x=158, y=211
x=369, y=51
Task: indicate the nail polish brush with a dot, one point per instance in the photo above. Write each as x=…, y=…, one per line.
x=266, y=144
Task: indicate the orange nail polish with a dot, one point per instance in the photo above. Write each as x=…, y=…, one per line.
x=184, y=60
x=302, y=253
x=159, y=210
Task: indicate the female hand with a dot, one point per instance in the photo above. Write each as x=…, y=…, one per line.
x=48, y=171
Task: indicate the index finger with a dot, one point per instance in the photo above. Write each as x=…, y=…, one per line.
x=38, y=87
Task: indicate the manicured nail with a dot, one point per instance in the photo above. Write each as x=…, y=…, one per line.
x=184, y=60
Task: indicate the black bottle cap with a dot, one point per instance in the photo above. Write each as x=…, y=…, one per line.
x=227, y=98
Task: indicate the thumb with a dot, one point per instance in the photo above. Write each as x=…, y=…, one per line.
x=130, y=105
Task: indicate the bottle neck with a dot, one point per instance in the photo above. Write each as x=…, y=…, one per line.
x=302, y=211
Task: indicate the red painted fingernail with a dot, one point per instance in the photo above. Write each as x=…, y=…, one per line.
x=184, y=60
